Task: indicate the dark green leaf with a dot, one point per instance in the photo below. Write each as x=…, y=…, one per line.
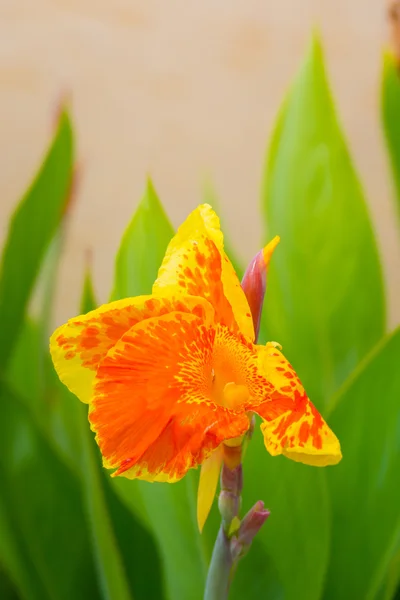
x=364, y=487
x=170, y=512
x=126, y=558
x=43, y=508
x=32, y=227
x=390, y=116
x=7, y=590
x=325, y=299
x=107, y=557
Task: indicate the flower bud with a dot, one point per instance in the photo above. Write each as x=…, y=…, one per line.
x=252, y=523
x=255, y=280
x=228, y=506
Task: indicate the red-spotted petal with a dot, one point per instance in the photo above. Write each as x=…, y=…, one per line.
x=78, y=347
x=196, y=263
x=291, y=424
x=152, y=411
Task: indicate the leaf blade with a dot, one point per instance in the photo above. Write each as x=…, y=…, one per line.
x=390, y=108
x=325, y=295
x=32, y=227
x=364, y=492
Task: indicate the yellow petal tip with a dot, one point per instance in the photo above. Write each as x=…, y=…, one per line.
x=269, y=249
x=208, y=482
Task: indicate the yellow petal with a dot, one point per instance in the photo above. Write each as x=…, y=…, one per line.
x=78, y=347
x=291, y=426
x=209, y=474
x=196, y=264
x=268, y=250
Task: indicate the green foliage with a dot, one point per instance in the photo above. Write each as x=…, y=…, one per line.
x=390, y=116
x=294, y=543
x=364, y=488
x=170, y=510
x=142, y=248
x=325, y=295
x=118, y=539
x=31, y=229
x=40, y=494
x=68, y=530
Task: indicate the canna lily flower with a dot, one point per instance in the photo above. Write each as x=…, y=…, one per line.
x=174, y=378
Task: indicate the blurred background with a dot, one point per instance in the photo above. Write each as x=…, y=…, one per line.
x=187, y=92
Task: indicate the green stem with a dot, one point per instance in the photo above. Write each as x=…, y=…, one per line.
x=219, y=572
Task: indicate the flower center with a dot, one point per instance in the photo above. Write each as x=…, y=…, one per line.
x=229, y=359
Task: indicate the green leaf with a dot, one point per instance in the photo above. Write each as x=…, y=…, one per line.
x=364, y=487
x=290, y=556
x=325, y=298
x=168, y=510
x=391, y=580
x=390, y=107
x=142, y=248
x=107, y=557
x=31, y=374
x=127, y=561
x=7, y=590
x=32, y=227
x=126, y=558
x=108, y=560
x=12, y=559
x=42, y=504
x=88, y=298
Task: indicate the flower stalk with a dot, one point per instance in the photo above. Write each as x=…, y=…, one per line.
x=234, y=537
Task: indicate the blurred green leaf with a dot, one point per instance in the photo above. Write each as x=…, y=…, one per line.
x=390, y=106
x=325, y=298
x=364, y=487
x=142, y=248
x=390, y=589
x=31, y=229
x=88, y=298
x=12, y=560
x=291, y=555
x=7, y=590
x=107, y=557
x=106, y=553
x=169, y=510
x=42, y=504
x=31, y=374
x=127, y=562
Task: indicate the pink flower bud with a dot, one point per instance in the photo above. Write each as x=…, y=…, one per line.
x=252, y=524
x=255, y=280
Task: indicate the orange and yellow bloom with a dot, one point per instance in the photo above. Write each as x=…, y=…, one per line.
x=173, y=377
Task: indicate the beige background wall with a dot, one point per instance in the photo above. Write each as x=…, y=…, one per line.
x=183, y=90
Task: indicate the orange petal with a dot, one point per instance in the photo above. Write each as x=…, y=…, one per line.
x=78, y=346
x=291, y=424
x=196, y=263
x=209, y=475
x=152, y=411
